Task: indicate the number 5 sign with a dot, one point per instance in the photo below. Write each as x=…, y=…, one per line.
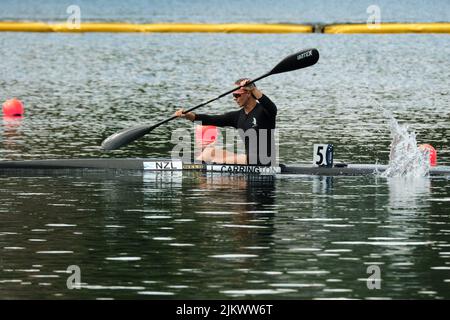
x=323, y=155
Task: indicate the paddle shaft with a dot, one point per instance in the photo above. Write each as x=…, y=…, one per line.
x=208, y=102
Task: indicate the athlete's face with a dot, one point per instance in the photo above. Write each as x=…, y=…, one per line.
x=241, y=98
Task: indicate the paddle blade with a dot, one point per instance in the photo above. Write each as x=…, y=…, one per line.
x=299, y=60
x=124, y=137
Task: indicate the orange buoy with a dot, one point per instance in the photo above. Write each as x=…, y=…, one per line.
x=431, y=151
x=13, y=108
x=205, y=135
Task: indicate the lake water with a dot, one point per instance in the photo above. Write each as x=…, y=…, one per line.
x=216, y=11
x=195, y=236
x=137, y=235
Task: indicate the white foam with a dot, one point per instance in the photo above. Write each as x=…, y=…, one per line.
x=405, y=158
x=255, y=291
x=234, y=256
x=123, y=258
x=54, y=252
x=156, y=293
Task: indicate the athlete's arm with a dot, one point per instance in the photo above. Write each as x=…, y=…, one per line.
x=228, y=119
x=268, y=105
x=224, y=120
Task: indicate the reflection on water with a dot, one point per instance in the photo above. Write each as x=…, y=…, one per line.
x=409, y=193
x=11, y=136
x=193, y=235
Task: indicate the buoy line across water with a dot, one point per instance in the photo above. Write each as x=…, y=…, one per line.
x=425, y=27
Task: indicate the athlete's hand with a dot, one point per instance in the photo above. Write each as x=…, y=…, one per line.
x=180, y=114
x=251, y=88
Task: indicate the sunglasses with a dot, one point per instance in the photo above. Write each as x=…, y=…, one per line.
x=237, y=95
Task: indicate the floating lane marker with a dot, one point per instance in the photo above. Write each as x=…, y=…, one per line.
x=156, y=27
x=25, y=26
x=425, y=27
x=389, y=28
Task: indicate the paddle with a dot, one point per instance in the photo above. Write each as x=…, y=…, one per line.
x=295, y=61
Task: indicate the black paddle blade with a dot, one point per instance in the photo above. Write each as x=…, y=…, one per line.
x=299, y=60
x=125, y=136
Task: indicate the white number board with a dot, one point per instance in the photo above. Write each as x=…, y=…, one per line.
x=323, y=155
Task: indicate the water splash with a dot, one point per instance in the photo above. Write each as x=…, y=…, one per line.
x=405, y=158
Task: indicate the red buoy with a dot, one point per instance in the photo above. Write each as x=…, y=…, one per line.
x=205, y=135
x=431, y=151
x=13, y=108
